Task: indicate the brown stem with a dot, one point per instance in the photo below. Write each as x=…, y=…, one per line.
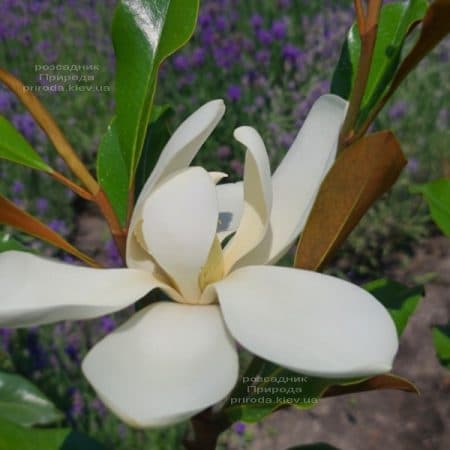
x=206, y=429
x=360, y=14
x=119, y=234
x=63, y=147
x=367, y=27
x=71, y=185
x=51, y=129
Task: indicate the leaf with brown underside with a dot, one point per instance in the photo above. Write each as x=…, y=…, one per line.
x=11, y=215
x=363, y=172
x=379, y=382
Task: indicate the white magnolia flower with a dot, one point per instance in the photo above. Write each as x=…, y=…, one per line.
x=175, y=358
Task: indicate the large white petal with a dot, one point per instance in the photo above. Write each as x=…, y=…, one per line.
x=308, y=322
x=164, y=365
x=36, y=290
x=230, y=197
x=178, y=153
x=179, y=226
x=298, y=177
x=257, y=198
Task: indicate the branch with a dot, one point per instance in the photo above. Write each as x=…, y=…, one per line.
x=118, y=233
x=367, y=27
x=51, y=129
x=45, y=120
x=206, y=429
x=71, y=185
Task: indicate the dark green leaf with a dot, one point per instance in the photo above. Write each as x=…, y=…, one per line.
x=112, y=172
x=7, y=243
x=401, y=301
x=317, y=446
x=15, y=148
x=145, y=32
x=437, y=195
x=441, y=340
x=15, y=437
x=158, y=134
x=263, y=390
x=23, y=403
x=396, y=21
x=345, y=71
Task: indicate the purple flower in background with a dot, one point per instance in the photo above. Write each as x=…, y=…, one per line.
x=198, y=56
x=41, y=205
x=291, y=53
x=5, y=338
x=58, y=226
x=398, y=110
x=107, y=324
x=5, y=101
x=239, y=428
x=413, y=166
x=98, y=406
x=256, y=21
x=224, y=152
x=181, y=63
x=237, y=166
x=263, y=56
x=37, y=353
x=113, y=255
x=264, y=36
x=279, y=29
x=284, y=3
x=25, y=124
x=72, y=352
x=221, y=24
x=234, y=92
x=17, y=187
x=204, y=19
x=77, y=403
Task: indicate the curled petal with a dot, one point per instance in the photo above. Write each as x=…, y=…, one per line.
x=298, y=177
x=257, y=198
x=178, y=153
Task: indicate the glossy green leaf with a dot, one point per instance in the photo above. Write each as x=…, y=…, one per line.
x=23, y=403
x=15, y=437
x=437, y=195
x=435, y=27
x=263, y=390
x=145, y=32
x=401, y=301
x=14, y=147
x=158, y=134
x=8, y=243
x=112, y=173
x=441, y=340
x=317, y=446
x=396, y=21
